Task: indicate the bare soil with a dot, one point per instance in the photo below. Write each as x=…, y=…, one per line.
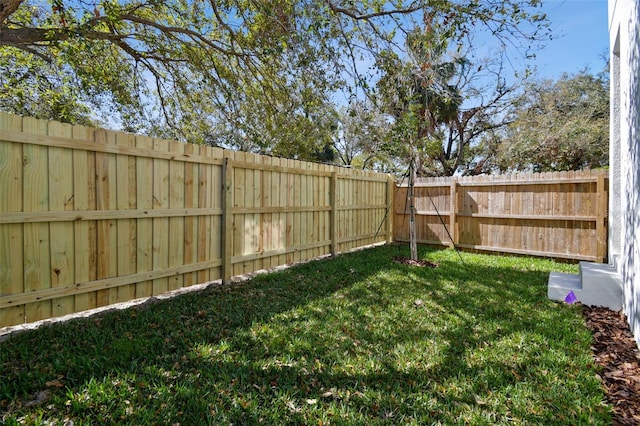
x=616, y=352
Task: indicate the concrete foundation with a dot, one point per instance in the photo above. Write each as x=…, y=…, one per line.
x=597, y=284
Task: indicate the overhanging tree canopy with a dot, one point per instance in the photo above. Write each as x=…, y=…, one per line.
x=201, y=69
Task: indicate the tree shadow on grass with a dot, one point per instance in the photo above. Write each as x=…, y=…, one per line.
x=340, y=340
x=93, y=348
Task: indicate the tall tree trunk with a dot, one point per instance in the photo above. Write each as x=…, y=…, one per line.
x=412, y=210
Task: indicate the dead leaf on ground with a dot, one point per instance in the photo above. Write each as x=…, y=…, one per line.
x=54, y=384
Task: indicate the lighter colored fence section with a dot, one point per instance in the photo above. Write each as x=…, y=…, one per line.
x=90, y=217
x=559, y=215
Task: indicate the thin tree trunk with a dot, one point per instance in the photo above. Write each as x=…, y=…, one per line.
x=412, y=211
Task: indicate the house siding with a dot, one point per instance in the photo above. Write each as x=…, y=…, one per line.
x=624, y=202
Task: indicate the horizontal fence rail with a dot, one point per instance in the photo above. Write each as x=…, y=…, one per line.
x=559, y=215
x=91, y=217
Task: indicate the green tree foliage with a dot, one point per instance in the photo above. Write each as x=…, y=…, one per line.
x=559, y=125
x=362, y=137
x=445, y=106
x=241, y=73
x=418, y=95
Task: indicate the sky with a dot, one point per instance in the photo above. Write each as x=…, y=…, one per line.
x=580, y=37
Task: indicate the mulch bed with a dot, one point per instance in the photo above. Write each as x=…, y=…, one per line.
x=617, y=354
x=421, y=263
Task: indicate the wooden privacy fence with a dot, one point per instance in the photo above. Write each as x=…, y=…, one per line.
x=559, y=215
x=90, y=217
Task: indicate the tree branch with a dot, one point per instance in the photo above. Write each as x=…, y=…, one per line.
x=194, y=35
x=358, y=15
x=25, y=37
x=7, y=7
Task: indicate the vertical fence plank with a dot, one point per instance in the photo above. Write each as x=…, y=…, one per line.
x=176, y=224
x=299, y=200
x=601, y=223
x=252, y=233
x=216, y=247
x=325, y=201
x=314, y=216
x=295, y=216
x=258, y=228
x=85, y=232
x=308, y=224
x=318, y=214
x=333, y=223
x=294, y=219
x=190, y=222
x=144, y=198
x=61, y=198
x=238, y=218
x=572, y=242
x=204, y=225
x=126, y=228
x=258, y=218
x=11, y=238
x=227, y=219
x=160, y=224
x=278, y=199
x=106, y=190
x=347, y=190
x=509, y=229
x=249, y=229
x=267, y=221
x=391, y=195
x=453, y=208
x=517, y=210
x=37, y=255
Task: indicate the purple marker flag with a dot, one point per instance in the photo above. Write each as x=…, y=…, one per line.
x=571, y=298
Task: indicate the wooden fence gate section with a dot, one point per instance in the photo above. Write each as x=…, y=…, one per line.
x=558, y=215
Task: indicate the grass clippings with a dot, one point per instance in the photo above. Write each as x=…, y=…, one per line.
x=359, y=339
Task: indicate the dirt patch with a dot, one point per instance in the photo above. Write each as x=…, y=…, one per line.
x=616, y=352
x=421, y=263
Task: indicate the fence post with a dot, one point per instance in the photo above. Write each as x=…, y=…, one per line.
x=453, y=209
x=333, y=221
x=601, y=223
x=391, y=197
x=227, y=220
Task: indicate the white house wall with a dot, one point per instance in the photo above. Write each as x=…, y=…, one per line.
x=624, y=202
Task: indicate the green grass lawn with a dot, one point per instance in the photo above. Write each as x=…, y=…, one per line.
x=358, y=339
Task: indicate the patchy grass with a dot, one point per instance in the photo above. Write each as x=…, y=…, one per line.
x=358, y=339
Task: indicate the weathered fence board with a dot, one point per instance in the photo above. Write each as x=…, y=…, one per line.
x=90, y=217
x=559, y=215
x=11, y=234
